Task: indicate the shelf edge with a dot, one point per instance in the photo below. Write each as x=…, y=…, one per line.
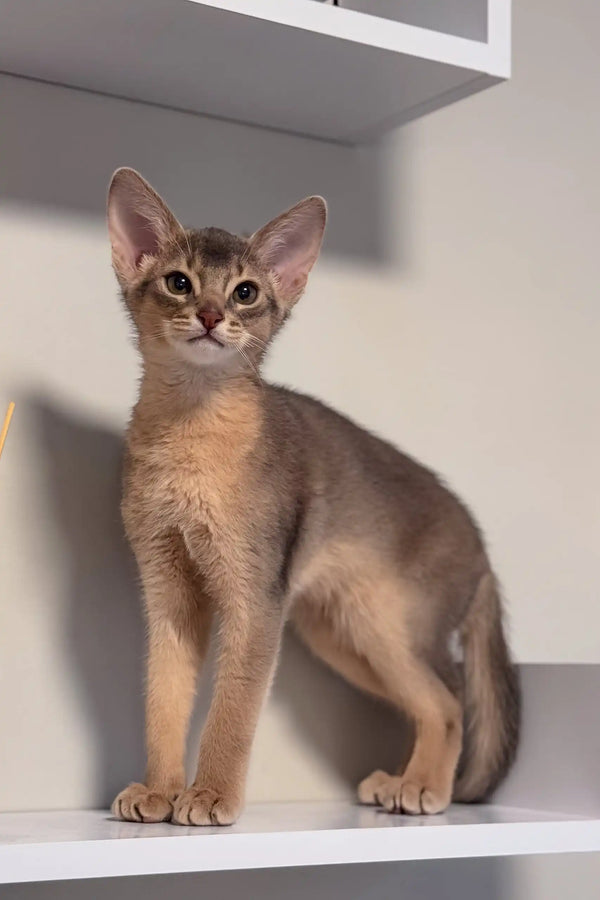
x=374, y=31
x=61, y=861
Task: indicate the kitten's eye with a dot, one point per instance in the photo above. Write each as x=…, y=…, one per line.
x=245, y=293
x=178, y=283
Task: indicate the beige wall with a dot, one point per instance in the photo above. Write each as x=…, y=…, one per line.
x=455, y=312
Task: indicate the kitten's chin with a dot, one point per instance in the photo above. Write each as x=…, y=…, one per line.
x=205, y=352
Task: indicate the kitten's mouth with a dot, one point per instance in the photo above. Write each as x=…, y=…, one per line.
x=205, y=338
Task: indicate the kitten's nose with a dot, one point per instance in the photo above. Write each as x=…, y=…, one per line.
x=209, y=318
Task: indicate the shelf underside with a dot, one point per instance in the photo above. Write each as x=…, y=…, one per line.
x=229, y=60
x=48, y=846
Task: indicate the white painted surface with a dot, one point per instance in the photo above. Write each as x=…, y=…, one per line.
x=76, y=845
x=295, y=65
x=369, y=27
x=467, y=18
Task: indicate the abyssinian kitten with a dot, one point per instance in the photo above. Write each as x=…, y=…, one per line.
x=251, y=504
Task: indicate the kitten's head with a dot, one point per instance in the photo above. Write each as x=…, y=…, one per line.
x=207, y=297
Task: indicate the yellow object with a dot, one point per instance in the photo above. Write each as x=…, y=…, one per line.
x=7, y=418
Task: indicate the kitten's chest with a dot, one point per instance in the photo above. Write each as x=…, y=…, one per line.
x=182, y=485
x=192, y=475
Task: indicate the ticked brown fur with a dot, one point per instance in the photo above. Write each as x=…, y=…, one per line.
x=247, y=505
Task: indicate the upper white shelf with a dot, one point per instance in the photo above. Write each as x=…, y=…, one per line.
x=295, y=65
x=55, y=846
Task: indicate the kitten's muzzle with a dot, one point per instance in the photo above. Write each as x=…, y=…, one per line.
x=205, y=336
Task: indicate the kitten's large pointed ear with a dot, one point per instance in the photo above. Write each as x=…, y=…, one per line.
x=139, y=222
x=290, y=244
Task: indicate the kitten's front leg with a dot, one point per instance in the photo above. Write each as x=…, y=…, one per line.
x=250, y=637
x=178, y=628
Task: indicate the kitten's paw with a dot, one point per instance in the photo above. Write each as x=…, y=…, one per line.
x=368, y=789
x=401, y=794
x=204, y=806
x=137, y=803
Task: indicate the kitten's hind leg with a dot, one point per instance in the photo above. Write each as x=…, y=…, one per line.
x=371, y=653
x=425, y=785
x=318, y=635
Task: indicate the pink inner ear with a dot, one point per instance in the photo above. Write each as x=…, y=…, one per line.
x=134, y=233
x=292, y=254
x=292, y=260
x=291, y=244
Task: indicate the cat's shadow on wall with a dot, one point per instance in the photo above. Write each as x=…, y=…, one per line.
x=103, y=628
x=104, y=631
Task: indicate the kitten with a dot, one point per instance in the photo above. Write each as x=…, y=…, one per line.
x=254, y=504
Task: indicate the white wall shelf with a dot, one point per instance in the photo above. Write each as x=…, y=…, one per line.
x=546, y=806
x=52, y=846
x=294, y=65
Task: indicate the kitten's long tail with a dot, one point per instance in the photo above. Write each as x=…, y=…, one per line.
x=492, y=697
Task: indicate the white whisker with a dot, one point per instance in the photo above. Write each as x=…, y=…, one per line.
x=255, y=340
x=245, y=356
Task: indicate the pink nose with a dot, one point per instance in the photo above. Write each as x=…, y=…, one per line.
x=209, y=318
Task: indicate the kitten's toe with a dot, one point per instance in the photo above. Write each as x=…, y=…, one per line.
x=204, y=806
x=368, y=789
x=224, y=812
x=137, y=803
x=434, y=802
x=416, y=799
x=400, y=796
